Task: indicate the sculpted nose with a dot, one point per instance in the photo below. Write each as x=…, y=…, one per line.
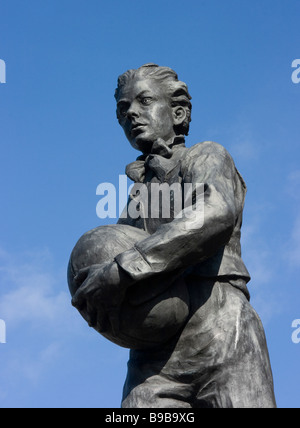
x=132, y=112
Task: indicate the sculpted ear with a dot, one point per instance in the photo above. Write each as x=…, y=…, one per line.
x=179, y=115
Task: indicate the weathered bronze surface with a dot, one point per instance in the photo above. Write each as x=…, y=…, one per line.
x=173, y=288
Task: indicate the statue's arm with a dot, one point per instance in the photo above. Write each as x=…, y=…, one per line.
x=187, y=241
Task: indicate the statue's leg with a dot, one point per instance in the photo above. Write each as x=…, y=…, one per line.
x=237, y=369
x=159, y=392
x=220, y=358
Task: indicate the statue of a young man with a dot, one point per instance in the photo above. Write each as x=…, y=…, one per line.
x=174, y=289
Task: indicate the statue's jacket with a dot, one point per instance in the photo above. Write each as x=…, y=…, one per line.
x=205, y=246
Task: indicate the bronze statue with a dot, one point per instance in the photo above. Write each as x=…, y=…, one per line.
x=173, y=288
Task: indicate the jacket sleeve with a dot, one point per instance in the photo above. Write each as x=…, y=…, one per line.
x=189, y=240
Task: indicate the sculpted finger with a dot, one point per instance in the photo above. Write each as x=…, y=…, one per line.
x=82, y=275
x=84, y=291
x=78, y=300
x=91, y=314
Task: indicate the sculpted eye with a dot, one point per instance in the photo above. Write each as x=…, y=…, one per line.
x=146, y=101
x=122, y=110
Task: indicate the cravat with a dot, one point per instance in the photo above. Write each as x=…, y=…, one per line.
x=157, y=160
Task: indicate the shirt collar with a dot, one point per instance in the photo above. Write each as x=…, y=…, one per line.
x=161, y=150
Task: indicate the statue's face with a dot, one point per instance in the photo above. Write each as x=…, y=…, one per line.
x=145, y=113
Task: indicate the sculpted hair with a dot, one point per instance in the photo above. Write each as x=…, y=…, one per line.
x=177, y=90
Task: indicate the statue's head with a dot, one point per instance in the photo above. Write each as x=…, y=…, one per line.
x=151, y=104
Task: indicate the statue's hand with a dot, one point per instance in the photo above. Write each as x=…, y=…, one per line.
x=101, y=286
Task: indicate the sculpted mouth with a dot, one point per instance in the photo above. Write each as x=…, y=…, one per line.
x=136, y=129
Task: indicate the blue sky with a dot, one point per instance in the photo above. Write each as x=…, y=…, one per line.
x=60, y=139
